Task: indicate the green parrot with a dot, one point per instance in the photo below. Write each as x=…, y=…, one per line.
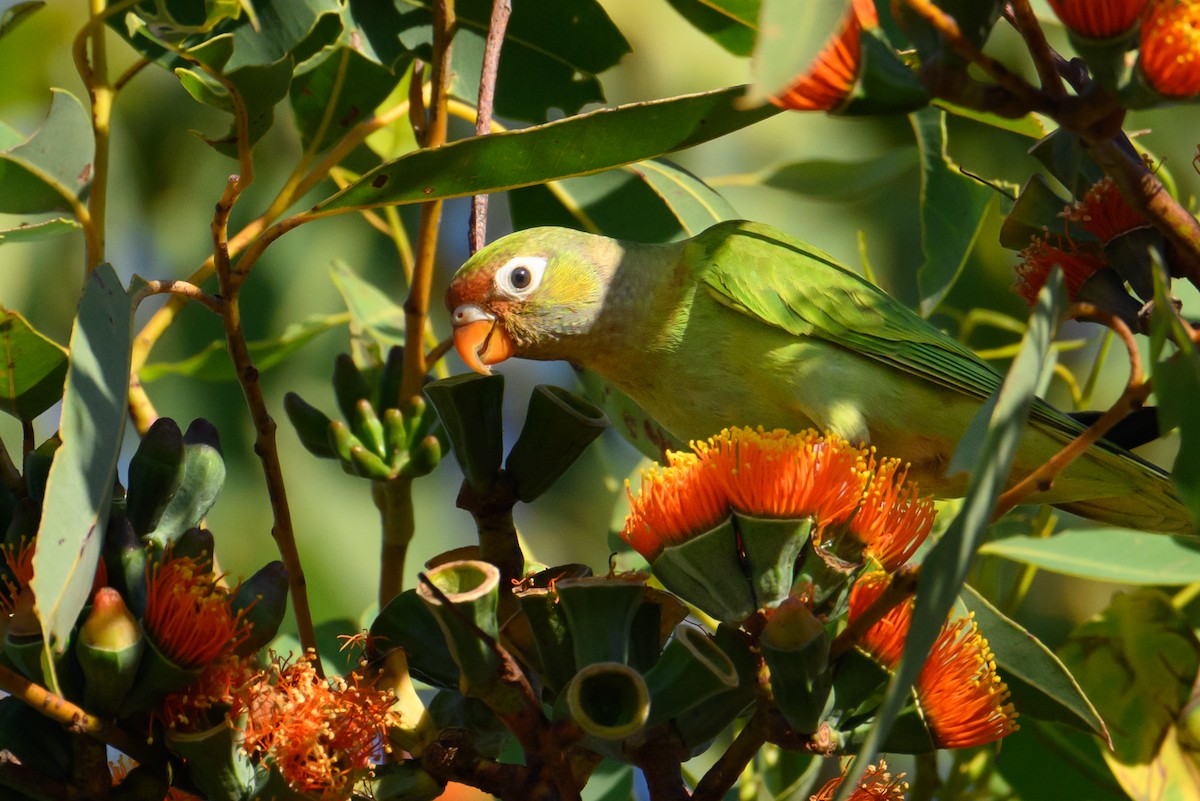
x=744, y=325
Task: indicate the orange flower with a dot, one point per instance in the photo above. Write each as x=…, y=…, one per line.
x=675, y=503
x=219, y=687
x=1103, y=213
x=1169, y=47
x=885, y=639
x=1098, y=19
x=19, y=562
x=188, y=615
x=964, y=700
x=875, y=785
x=834, y=72
x=1040, y=258
x=322, y=735
x=893, y=519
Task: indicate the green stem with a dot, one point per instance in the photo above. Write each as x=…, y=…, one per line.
x=394, y=501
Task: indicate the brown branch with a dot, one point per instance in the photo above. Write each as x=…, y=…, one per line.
x=265, y=445
x=660, y=756
x=1021, y=15
x=501, y=11
x=723, y=775
x=68, y=714
x=416, y=305
x=1137, y=389
x=182, y=289
x=901, y=587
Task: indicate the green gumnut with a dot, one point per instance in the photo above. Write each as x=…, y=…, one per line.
x=155, y=474
x=599, y=613
x=464, y=605
x=369, y=465
x=608, y=700
x=391, y=379
x=263, y=596
x=311, y=424
x=217, y=763
x=124, y=556
x=195, y=543
x=407, y=623
x=203, y=477
x=424, y=457
x=366, y=426
x=37, y=468
x=558, y=427
x=692, y=670
x=349, y=386
x=109, y=650
x=795, y=647
x=395, y=435
x=470, y=407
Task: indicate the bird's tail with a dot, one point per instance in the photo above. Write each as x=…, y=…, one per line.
x=1148, y=501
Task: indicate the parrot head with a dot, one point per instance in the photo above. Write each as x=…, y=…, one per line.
x=526, y=292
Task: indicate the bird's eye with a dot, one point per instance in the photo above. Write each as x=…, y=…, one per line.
x=520, y=276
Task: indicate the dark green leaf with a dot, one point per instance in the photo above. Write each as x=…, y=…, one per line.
x=46, y=229
x=32, y=371
x=553, y=50
x=843, y=180
x=299, y=29
x=953, y=206
x=213, y=364
x=1119, y=555
x=178, y=17
x=370, y=308
x=51, y=169
x=79, y=488
x=575, y=146
x=945, y=568
x=1138, y=660
x=1177, y=382
x=1064, y=157
x=1037, y=207
x=694, y=204
x=13, y=12
x=260, y=87
x=733, y=24
x=340, y=92
x=1041, y=685
x=612, y=781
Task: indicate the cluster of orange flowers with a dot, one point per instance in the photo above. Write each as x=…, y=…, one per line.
x=781, y=475
x=877, y=784
x=188, y=614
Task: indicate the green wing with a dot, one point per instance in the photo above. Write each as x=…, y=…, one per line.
x=788, y=284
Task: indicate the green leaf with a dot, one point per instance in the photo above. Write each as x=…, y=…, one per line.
x=33, y=369
x=1028, y=125
x=1037, y=208
x=80, y=484
x=945, y=568
x=1177, y=382
x=53, y=167
x=694, y=204
x=1138, y=660
x=46, y=229
x=1047, y=762
x=300, y=29
x=260, y=87
x=790, y=37
x=564, y=43
x=213, y=364
x=953, y=206
x=612, y=781
x=843, y=180
x=732, y=24
x=575, y=146
x=13, y=12
x=1041, y=685
x=371, y=309
x=1119, y=555
x=339, y=93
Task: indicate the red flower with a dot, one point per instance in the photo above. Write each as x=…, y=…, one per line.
x=1169, y=47
x=322, y=735
x=885, y=639
x=875, y=785
x=1103, y=212
x=20, y=564
x=1041, y=257
x=833, y=74
x=1098, y=19
x=188, y=615
x=893, y=519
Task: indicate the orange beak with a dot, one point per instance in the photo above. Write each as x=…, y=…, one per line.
x=481, y=343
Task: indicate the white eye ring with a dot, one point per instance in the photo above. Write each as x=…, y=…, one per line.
x=520, y=276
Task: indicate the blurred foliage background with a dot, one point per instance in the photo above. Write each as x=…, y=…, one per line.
x=850, y=187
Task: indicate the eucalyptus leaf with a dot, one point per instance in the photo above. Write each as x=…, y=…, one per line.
x=79, y=487
x=732, y=24
x=370, y=308
x=52, y=169
x=33, y=232
x=580, y=145
x=1041, y=685
x=258, y=87
x=340, y=92
x=611, y=781
x=213, y=364
x=1119, y=555
x=33, y=369
x=843, y=180
x=13, y=12
x=1050, y=762
x=953, y=206
x=786, y=46
x=945, y=568
x=1177, y=382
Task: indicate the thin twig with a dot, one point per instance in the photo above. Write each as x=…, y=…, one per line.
x=501, y=11
x=722, y=776
x=181, y=289
x=1137, y=389
x=1021, y=15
